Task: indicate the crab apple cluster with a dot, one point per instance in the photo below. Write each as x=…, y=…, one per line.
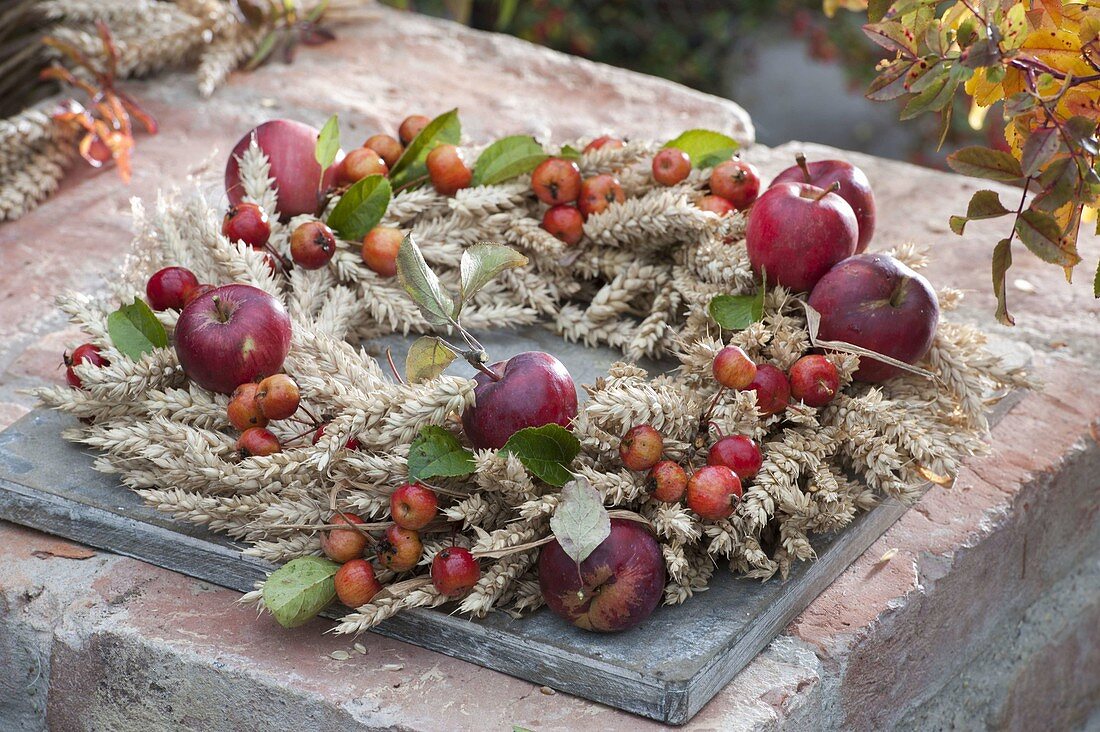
x=379, y=251
x=252, y=405
x=355, y=581
x=557, y=183
x=734, y=186
x=84, y=353
x=312, y=245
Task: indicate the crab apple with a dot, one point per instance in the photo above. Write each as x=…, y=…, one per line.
x=877, y=302
x=411, y=127
x=738, y=453
x=312, y=245
x=356, y=583
x=387, y=147
x=413, y=506
x=556, y=180
x=797, y=232
x=359, y=163
x=455, y=571
x=380, y=247
x=84, y=353
x=232, y=335
x=247, y=222
x=733, y=368
x=399, y=549
x=243, y=410
x=257, y=442
x=669, y=481
x=168, y=288
x=854, y=188
x=351, y=444
x=565, y=222
x=611, y=143
x=447, y=170
x=343, y=545
x=289, y=147
x=773, y=391
x=736, y=181
x=711, y=492
x=533, y=389
x=641, y=447
x=278, y=396
x=715, y=204
x=598, y=193
x=671, y=166
x=617, y=586
x=814, y=380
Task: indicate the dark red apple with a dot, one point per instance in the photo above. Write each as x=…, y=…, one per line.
x=797, y=232
x=534, y=389
x=738, y=453
x=617, y=587
x=289, y=146
x=232, y=335
x=876, y=302
x=854, y=188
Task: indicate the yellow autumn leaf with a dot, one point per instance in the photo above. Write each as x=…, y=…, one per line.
x=984, y=92
x=831, y=6
x=1059, y=49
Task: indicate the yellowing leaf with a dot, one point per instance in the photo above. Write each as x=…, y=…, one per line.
x=1060, y=49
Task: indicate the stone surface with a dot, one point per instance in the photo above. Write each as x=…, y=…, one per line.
x=986, y=615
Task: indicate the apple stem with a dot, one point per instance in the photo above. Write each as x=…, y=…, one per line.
x=300, y=435
x=800, y=158
x=413, y=182
x=393, y=368
x=474, y=359
x=705, y=421
x=831, y=189
x=305, y=409
x=284, y=262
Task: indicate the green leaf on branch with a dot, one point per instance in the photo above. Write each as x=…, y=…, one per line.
x=890, y=84
x=983, y=205
x=1082, y=132
x=361, y=208
x=569, y=153
x=706, y=148
x=1040, y=148
x=876, y=9
x=481, y=264
x=982, y=162
x=1002, y=260
x=444, y=129
x=737, y=312
x=436, y=453
x=893, y=36
x=580, y=522
x=506, y=159
x=427, y=358
x=1058, y=185
x=545, y=451
x=298, y=590
x=328, y=143
x=1041, y=233
x=422, y=285
x=134, y=329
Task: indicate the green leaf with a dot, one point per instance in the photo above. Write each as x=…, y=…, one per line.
x=444, y=129
x=507, y=158
x=1058, y=185
x=263, y=50
x=737, y=312
x=427, y=359
x=706, y=148
x=422, y=284
x=298, y=590
x=361, y=208
x=580, y=522
x=436, y=453
x=982, y=162
x=893, y=36
x=928, y=97
x=1082, y=131
x=982, y=53
x=1041, y=233
x=1041, y=146
x=481, y=263
x=569, y=153
x=890, y=84
x=983, y=204
x=876, y=9
x=1002, y=260
x=328, y=143
x=1096, y=282
x=545, y=451
x=135, y=330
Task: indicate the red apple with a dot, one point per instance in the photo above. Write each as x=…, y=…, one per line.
x=618, y=586
x=876, y=302
x=738, y=453
x=772, y=388
x=289, y=146
x=534, y=389
x=797, y=232
x=854, y=188
x=232, y=335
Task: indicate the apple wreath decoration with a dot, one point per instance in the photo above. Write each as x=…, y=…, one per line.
x=224, y=378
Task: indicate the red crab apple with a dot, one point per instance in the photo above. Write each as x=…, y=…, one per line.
x=534, y=389
x=598, y=193
x=814, y=380
x=715, y=204
x=738, y=453
x=312, y=245
x=387, y=147
x=379, y=251
x=243, y=410
x=733, y=368
x=797, y=232
x=671, y=166
x=556, y=180
x=641, y=447
x=413, y=506
x=289, y=146
x=257, y=442
x=399, y=549
x=669, y=481
x=736, y=181
x=278, y=397
x=854, y=188
x=411, y=127
x=618, y=586
x=360, y=163
x=448, y=170
x=356, y=583
x=455, y=571
x=876, y=302
x=772, y=388
x=565, y=222
x=711, y=492
x=343, y=545
x=247, y=222
x=85, y=353
x=168, y=288
x=611, y=143
x=232, y=335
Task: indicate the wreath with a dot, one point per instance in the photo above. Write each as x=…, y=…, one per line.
x=344, y=458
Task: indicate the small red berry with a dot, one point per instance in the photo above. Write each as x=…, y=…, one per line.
x=773, y=391
x=603, y=141
x=641, y=447
x=277, y=396
x=814, y=380
x=738, y=453
x=556, y=180
x=733, y=368
x=243, y=411
x=671, y=166
x=455, y=571
x=356, y=583
x=565, y=222
x=399, y=549
x=379, y=251
x=598, y=193
x=84, y=353
x=387, y=147
x=351, y=444
x=711, y=492
x=669, y=481
x=343, y=545
x=360, y=163
x=448, y=170
x=413, y=506
x=411, y=127
x=257, y=442
x=715, y=204
x=736, y=181
x=168, y=288
x=247, y=222
x=312, y=245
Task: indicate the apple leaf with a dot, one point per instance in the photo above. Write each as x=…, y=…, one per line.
x=328, y=143
x=481, y=263
x=506, y=158
x=545, y=451
x=983, y=204
x=436, y=453
x=1002, y=260
x=737, y=312
x=580, y=522
x=422, y=284
x=295, y=592
x=444, y=129
x=569, y=153
x=427, y=359
x=982, y=162
x=1042, y=234
x=1040, y=148
x=135, y=330
x=706, y=148
x=361, y=208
